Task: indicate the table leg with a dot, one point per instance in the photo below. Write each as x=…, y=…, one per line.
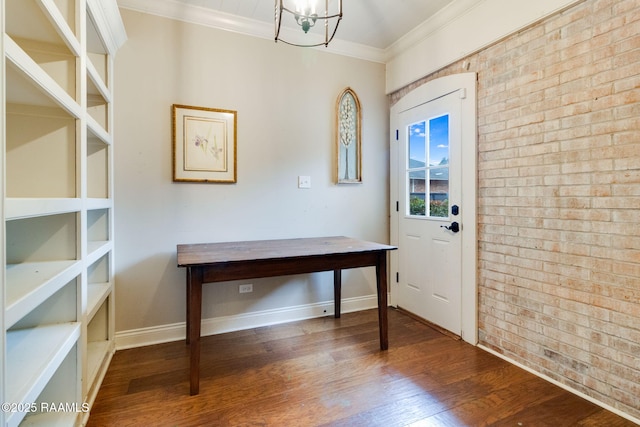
x=381, y=281
x=188, y=305
x=337, y=292
x=194, y=321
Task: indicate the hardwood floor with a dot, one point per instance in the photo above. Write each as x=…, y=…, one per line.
x=330, y=372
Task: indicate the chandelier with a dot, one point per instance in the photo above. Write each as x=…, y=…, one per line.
x=306, y=15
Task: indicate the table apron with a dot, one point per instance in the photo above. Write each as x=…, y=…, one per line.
x=241, y=270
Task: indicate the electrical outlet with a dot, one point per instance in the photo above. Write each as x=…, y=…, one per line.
x=245, y=289
x=304, y=182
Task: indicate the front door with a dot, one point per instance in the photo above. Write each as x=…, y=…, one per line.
x=432, y=186
x=430, y=255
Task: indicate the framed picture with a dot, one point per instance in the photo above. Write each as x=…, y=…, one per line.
x=204, y=144
x=348, y=140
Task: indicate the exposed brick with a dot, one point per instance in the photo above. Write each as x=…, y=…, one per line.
x=559, y=198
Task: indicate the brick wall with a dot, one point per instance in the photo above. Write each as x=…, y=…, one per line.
x=559, y=198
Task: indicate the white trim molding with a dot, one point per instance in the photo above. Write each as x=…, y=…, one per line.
x=106, y=17
x=459, y=30
x=219, y=325
x=237, y=24
x=464, y=27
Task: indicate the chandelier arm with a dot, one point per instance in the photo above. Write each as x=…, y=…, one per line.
x=278, y=18
x=332, y=34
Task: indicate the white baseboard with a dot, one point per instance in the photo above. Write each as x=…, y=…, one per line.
x=218, y=325
x=559, y=384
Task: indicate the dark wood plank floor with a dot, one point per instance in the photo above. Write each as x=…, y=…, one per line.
x=330, y=372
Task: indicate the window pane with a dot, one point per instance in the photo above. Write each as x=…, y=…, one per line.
x=417, y=193
x=439, y=192
x=417, y=143
x=439, y=141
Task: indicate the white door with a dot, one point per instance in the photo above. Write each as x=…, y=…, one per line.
x=434, y=271
x=430, y=249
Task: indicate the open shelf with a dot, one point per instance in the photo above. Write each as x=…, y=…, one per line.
x=95, y=83
x=99, y=285
x=25, y=75
x=98, y=225
x=97, y=168
x=99, y=343
x=61, y=307
x=97, y=69
x=31, y=284
x=98, y=109
x=96, y=295
x=96, y=132
x=98, y=312
x=96, y=250
x=41, y=254
x=98, y=237
x=98, y=94
x=55, y=60
x=98, y=325
x=49, y=21
x=97, y=353
x=60, y=392
x=57, y=288
x=40, y=152
x=39, y=239
x=33, y=357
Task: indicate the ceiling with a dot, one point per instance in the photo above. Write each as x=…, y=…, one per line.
x=373, y=23
x=371, y=27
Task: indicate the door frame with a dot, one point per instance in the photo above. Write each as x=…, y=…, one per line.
x=466, y=84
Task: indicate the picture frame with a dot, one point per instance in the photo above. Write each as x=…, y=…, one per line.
x=348, y=138
x=204, y=144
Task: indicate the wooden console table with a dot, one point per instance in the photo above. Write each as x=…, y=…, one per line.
x=221, y=262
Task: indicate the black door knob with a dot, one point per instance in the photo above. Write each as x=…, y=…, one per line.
x=455, y=227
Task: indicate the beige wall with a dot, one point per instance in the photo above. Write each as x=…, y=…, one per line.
x=285, y=98
x=559, y=187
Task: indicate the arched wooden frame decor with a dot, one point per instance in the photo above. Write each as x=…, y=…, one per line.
x=348, y=139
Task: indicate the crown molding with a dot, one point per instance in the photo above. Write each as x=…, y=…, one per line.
x=442, y=18
x=224, y=21
x=464, y=27
x=106, y=16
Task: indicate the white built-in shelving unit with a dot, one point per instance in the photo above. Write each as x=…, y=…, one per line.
x=57, y=205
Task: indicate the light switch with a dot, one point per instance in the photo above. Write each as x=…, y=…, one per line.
x=304, y=182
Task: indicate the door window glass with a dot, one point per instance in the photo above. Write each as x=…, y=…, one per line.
x=428, y=168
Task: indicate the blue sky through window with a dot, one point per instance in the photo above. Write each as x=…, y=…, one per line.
x=417, y=137
x=438, y=141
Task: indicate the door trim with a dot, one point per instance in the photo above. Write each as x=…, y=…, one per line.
x=465, y=83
